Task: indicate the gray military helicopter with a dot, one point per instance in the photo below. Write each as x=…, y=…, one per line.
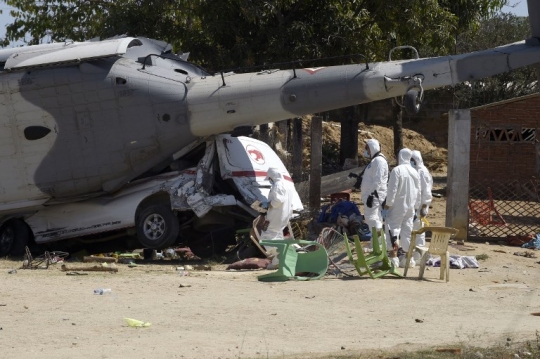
x=82, y=119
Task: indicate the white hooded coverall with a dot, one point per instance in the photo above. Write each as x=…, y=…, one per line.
x=403, y=198
x=280, y=206
x=375, y=179
x=426, y=184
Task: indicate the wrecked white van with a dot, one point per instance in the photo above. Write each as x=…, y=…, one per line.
x=201, y=200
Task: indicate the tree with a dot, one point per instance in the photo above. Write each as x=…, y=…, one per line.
x=80, y=20
x=503, y=28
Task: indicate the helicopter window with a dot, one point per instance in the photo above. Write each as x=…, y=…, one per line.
x=121, y=81
x=181, y=71
x=32, y=133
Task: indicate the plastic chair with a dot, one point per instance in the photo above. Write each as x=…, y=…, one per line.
x=305, y=264
x=438, y=246
x=364, y=262
x=311, y=258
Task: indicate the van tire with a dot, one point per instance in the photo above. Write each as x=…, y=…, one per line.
x=14, y=237
x=157, y=227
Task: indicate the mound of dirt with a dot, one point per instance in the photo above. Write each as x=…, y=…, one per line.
x=435, y=158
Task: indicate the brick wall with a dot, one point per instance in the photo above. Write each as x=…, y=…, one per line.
x=497, y=151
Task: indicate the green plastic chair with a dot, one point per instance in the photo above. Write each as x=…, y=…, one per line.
x=364, y=262
x=296, y=265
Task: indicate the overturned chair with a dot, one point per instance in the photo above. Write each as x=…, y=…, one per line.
x=298, y=259
x=440, y=236
x=376, y=264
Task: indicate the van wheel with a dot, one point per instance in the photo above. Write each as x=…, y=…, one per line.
x=157, y=227
x=14, y=236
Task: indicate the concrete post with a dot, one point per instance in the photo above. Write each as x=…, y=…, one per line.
x=533, y=6
x=457, y=182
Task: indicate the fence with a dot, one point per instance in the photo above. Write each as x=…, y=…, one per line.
x=500, y=208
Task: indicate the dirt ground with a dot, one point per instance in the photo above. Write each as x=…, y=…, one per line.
x=227, y=314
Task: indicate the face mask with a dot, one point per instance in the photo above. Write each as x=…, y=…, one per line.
x=366, y=154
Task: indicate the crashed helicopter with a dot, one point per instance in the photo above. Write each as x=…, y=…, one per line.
x=81, y=121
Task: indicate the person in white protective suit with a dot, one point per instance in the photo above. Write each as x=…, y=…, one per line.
x=280, y=210
x=374, y=182
x=426, y=184
x=401, y=201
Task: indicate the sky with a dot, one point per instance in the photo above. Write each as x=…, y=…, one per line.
x=519, y=7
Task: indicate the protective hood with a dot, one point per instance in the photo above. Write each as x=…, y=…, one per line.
x=404, y=156
x=274, y=174
x=417, y=157
x=374, y=146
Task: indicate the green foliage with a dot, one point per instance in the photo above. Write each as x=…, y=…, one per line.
x=231, y=33
x=498, y=30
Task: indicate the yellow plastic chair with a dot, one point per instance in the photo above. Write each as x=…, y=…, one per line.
x=364, y=262
x=440, y=237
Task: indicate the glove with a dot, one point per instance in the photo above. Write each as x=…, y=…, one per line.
x=423, y=212
x=369, y=201
x=358, y=183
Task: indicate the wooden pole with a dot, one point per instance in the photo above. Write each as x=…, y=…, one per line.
x=297, y=150
x=316, y=164
x=349, y=135
x=263, y=133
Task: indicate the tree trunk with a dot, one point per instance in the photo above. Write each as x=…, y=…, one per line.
x=349, y=135
x=296, y=150
x=263, y=133
x=316, y=164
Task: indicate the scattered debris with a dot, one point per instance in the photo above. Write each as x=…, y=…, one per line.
x=526, y=254
x=202, y=267
x=136, y=323
x=449, y=350
x=89, y=259
x=518, y=240
x=102, y=291
x=250, y=263
x=43, y=261
x=97, y=268
x=481, y=257
x=536, y=314
x=13, y=271
x=76, y=273
x=419, y=320
x=184, y=285
x=499, y=251
x=342, y=347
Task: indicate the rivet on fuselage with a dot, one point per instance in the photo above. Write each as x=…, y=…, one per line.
x=292, y=98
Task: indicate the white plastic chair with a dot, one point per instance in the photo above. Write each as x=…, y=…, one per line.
x=440, y=236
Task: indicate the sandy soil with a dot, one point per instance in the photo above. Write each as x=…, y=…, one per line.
x=224, y=314
x=227, y=314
